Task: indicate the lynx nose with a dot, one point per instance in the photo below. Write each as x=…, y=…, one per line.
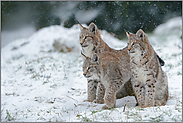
x=84, y=74
x=129, y=48
x=81, y=43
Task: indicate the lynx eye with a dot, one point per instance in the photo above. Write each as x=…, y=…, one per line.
x=88, y=68
x=91, y=70
x=91, y=37
x=85, y=37
x=132, y=43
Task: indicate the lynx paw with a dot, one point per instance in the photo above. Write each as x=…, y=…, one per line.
x=87, y=101
x=105, y=107
x=98, y=101
x=159, y=103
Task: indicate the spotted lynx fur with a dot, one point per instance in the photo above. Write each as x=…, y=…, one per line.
x=91, y=42
x=90, y=71
x=148, y=79
x=112, y=69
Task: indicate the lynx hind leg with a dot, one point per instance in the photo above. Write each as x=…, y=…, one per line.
x=110, y=94
x=163, y=95
x=91, y=90
x=162, y=101
x=126, y=90
x=100, y=94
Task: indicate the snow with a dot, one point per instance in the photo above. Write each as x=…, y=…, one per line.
x=9, y=35
x=173, y=25
x=38, y=83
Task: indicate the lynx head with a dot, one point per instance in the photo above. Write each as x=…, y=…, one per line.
x=89, y=38
x=90, y=68
x=137, y=41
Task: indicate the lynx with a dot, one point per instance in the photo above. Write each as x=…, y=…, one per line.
x=91, y=42
x=148, y=79
x=112, y=70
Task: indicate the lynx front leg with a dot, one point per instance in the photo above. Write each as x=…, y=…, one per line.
x=109, y=99
x=149, y=97
x=150, y=91
x=110, y=94
x=91, y=90
x=100, y=93
x=139, y=91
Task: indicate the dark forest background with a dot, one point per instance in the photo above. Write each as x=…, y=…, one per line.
x=115, y=17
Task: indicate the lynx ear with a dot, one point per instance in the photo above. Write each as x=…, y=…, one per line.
x=128, y=34
x=140, y=33
x=93, y=28
x=95, y=58
x=81, y=26
x=83, y=55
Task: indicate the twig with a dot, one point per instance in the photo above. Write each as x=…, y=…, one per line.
x=124, y=108
x=2, y=110
x=179, y=47
x=72, y=98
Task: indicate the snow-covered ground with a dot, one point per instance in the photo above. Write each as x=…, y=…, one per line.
x=7, y=36
x=39, y=83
